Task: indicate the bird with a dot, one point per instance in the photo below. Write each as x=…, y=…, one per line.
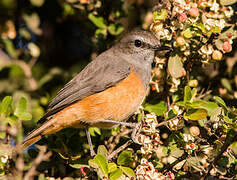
x=106, y=92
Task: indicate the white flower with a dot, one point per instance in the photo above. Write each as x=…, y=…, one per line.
x=215, y=6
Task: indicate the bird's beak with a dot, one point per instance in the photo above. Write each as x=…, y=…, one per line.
x=162, y=48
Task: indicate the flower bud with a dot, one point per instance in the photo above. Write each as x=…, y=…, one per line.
x=193, y=83
x=194, y=12
x=182, y=17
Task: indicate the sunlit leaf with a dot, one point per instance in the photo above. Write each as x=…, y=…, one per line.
x=116, y=174
x=209, y=106
x=161, y=15
x=196, y=114
x=159, y=109
x=115, y=29
x=102, y=163
x=187, y=94
x=20, y=110
x=97, y=21
x=78, y=166
x=102, y=150
x=188, y=33
x=93, y=164
x=94, y=130
x=128, y=171
x=220, y=102
x=111, y=167
x=5, y=104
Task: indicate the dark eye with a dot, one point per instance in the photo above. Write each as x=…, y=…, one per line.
x=138, y=43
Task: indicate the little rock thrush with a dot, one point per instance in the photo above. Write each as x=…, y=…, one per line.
x=106, y=92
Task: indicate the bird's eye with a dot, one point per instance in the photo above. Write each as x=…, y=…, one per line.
x=138, y=43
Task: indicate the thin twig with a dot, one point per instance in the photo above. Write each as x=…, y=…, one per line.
x=223, y=149
x=114, y=153
x=165, y=122
x=42, y=156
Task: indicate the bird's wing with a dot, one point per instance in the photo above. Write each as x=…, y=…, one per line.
x=100, y=74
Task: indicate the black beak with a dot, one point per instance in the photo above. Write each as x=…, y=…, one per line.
x=162, y=48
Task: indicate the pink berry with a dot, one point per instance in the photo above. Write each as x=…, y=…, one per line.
x=182, y=17
x=194, y=130
x=194, y=12
x=229, y=34
x=227, y=46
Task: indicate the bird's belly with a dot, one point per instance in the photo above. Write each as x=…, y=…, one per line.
x=116, y=103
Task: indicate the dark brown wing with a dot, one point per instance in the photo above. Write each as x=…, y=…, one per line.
x=100, y=74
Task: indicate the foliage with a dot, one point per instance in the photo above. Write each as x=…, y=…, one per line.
x=188, y=120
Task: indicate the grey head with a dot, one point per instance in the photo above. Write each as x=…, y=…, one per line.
x=138, y=49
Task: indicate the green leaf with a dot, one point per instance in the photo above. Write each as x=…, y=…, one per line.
x=200, y=26
x=220, y=102
x=115, y=29
x=97, y=21
x=93, y=164
x=196, y=114
x=188, y=33
x=124, y=158
x=100, y=32
x=78, y=166
x=227, y=2
x=227, y=120
x=2, y=134
x=94, y=130
x=20, y=110
x=180, y=103
x=209, y=106
x=175, y=66
x=5, y=104
x=161, y=15
x=116, y=174
x=102, y=150
x=226, y=83
x=159, y=109
x=128, y=171
x=187, y=94
x=102, y=163
x=112, y=167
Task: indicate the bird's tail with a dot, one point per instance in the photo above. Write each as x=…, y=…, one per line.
x=38, y=133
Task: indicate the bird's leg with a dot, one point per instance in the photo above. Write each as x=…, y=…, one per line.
x=136, y=127
x=90, y=142
x=118, y=122
x=136, y=130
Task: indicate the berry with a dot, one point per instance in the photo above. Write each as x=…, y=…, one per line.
x=227, y=46
x=217, y=55
x=180, y=41
x=194, y=130
x=194, y=12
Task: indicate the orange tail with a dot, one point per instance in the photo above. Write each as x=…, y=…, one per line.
x=31, y=141
x=37, y=134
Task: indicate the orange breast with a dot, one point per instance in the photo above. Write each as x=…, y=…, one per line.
x=116, y=103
